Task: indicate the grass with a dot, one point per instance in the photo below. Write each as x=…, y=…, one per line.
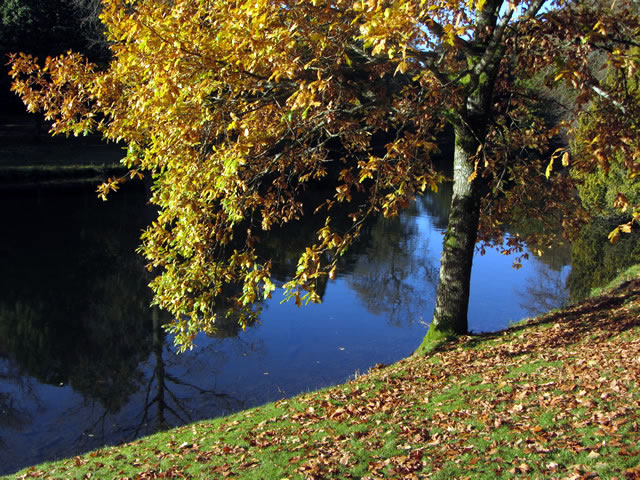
x=625, y=276
x=555, y=397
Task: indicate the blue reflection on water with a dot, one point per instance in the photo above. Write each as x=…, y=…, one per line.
x=375, y=312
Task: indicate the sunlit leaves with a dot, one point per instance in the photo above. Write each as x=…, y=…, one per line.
x=250, y=115
x=234, y=108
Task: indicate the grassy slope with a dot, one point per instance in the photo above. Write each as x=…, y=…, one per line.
x=555, y=397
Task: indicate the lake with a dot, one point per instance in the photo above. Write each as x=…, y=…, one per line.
x=84, y=361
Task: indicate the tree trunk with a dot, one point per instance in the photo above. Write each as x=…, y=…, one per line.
x=452, y=297
x=471, y=126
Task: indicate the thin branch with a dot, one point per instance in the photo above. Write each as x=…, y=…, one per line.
x=605, y=95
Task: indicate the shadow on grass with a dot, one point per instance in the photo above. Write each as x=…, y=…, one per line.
x=601, y=317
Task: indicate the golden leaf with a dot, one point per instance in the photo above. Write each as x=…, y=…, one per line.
x=549, y=169
x=402, y=67
x=614, y=235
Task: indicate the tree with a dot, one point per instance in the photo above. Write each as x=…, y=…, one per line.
x=250, y=115
x=606, y=184
x=51, y=26
x=47, y=27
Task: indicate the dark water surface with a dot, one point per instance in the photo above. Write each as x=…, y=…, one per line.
x=84, y=362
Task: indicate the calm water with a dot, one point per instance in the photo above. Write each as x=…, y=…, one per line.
x=83, y=361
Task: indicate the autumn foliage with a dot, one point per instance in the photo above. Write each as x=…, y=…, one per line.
x=249, y=115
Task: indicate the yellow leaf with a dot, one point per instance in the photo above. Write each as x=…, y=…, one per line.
x=614, y=235
x=402, y=67
x=547, y=173
x=474, y=174
x=565, y=159
x=378, y=48
x=332, y=273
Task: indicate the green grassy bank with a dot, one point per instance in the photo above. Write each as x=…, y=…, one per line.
x=30, y=157
x=57, y=175
x=553, y=397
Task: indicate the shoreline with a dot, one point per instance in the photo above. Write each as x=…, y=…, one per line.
x=31, y=158
x=553, y=397
x=33, y=177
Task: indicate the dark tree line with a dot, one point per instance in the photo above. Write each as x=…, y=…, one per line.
x=46, y=28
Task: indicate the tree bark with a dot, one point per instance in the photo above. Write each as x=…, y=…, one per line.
x=452, y=297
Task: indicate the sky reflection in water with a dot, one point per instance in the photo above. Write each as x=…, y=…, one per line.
x=83, y=361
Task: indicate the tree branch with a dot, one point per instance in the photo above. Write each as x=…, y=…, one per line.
x=533, y=9
x=495, y=42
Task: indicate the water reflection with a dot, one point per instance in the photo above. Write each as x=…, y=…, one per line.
x=163, y=407
x=596, y=261
x=14, y=416
x=74, y=308
x=396, y=274
x=84, y=362
x=545, y=289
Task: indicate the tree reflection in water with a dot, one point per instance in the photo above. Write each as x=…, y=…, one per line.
x=80, y=347
x=77, y=331
x=545, y=289
x=164, y=398
x=396, y=274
